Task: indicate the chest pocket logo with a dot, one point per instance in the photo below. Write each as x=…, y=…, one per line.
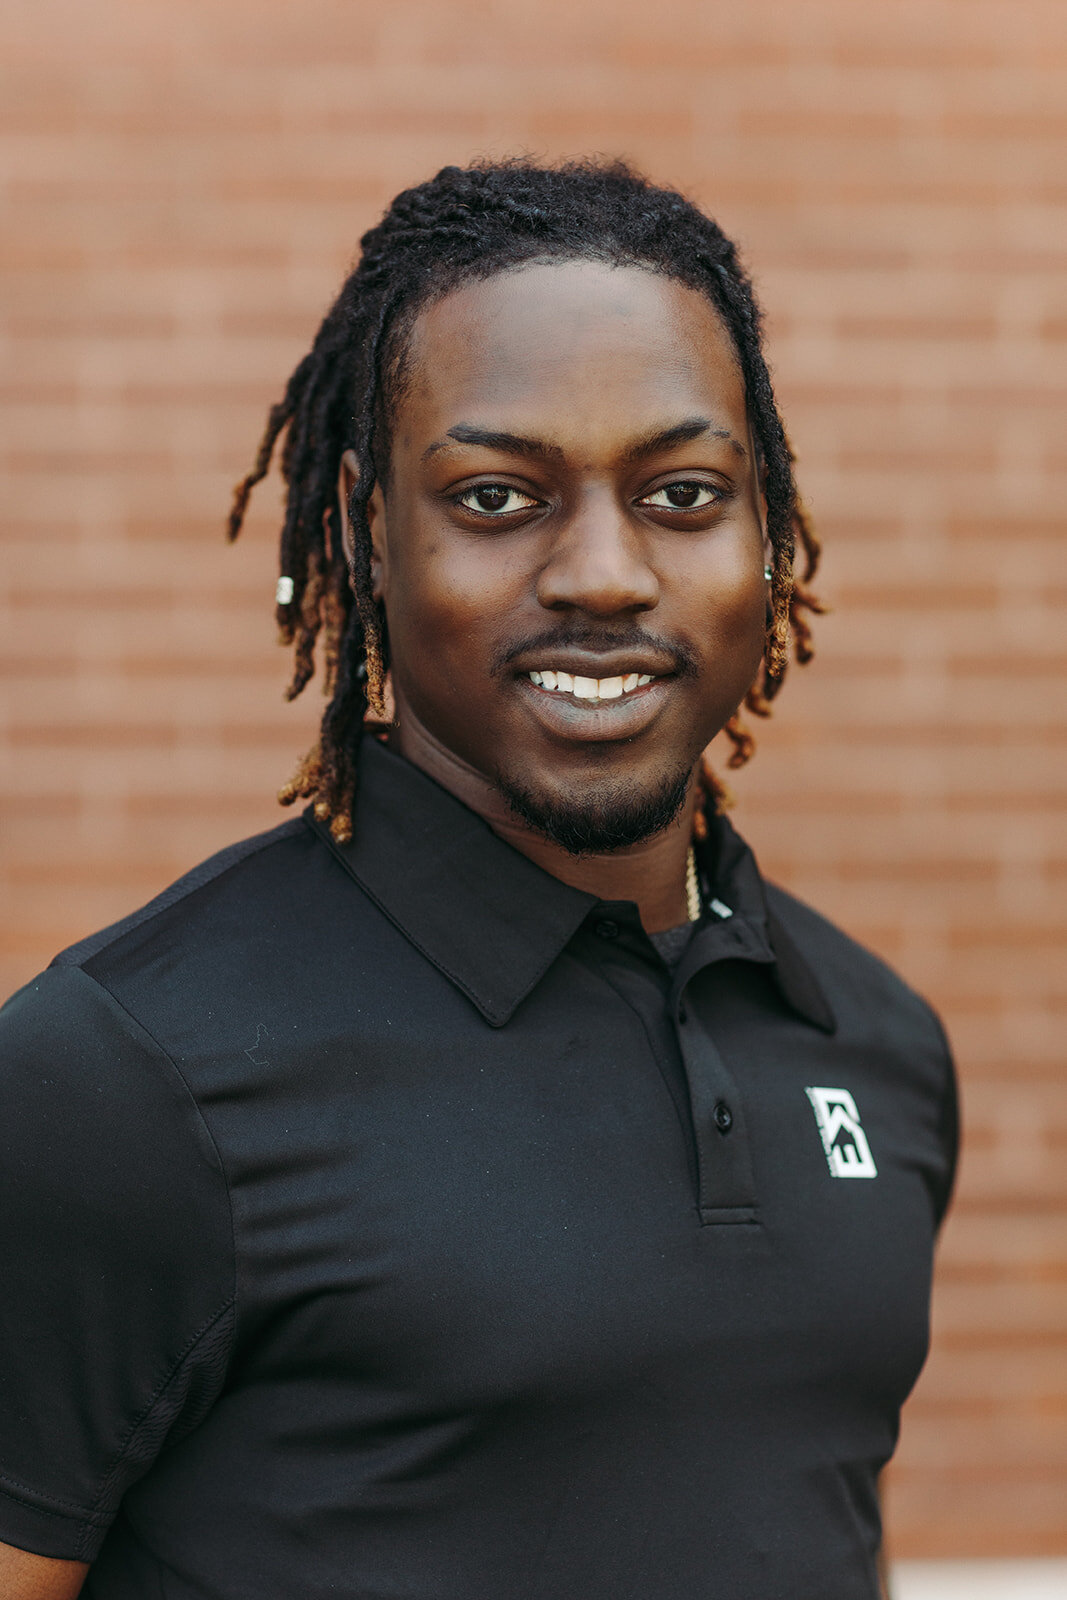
x=847, y=1151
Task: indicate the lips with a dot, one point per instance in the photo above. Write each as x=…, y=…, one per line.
x=613, y=687
x=580, y=718
x=596, y=689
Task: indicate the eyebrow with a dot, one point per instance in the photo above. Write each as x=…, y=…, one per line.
x=521, y=445
x=513, y=444
x=681, y=433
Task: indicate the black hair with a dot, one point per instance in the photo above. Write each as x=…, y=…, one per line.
x=464, y=224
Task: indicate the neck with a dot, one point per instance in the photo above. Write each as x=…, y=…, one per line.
x=651, y=873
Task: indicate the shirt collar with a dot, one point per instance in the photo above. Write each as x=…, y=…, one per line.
x=733, y=882
x=485, y=915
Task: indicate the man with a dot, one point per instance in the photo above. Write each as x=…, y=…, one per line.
x=485, y=1186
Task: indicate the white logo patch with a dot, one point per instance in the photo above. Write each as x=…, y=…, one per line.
x=845, y=1143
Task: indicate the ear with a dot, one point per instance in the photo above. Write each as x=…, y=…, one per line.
x=347, y=478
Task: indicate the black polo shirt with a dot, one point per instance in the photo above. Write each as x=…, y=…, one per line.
x=390, y=1221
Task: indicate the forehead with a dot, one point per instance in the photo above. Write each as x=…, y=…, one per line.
x=582, y=348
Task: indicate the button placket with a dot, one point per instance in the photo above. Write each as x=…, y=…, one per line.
x=724, y=1167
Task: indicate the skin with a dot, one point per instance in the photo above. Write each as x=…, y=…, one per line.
x=592, y=366
x=594, y=362
x=28, y=1577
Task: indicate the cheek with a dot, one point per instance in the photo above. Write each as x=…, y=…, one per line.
x=447, y=607
x=443, y=600
x=726, y=604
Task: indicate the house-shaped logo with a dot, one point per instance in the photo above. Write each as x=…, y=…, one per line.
x=847, y=1151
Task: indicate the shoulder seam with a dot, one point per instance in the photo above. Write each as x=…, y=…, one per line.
x=230, y=1303
x=216, y=866
x=180, y=1075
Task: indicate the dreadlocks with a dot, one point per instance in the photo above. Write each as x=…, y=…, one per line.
x=464, y=224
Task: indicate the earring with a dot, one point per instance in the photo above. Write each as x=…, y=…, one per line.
x=767, y=574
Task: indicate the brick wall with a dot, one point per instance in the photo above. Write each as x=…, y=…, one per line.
x=182, y=187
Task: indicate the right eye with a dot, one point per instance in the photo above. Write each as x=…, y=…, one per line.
x=494, y=499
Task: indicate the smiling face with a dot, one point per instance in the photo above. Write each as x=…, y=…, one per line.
x=570, y=548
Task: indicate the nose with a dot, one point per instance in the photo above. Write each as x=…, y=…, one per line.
x=598, y=563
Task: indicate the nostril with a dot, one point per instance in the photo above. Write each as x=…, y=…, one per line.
x=598, y=572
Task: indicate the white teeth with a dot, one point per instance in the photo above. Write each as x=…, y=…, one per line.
x=591, y=688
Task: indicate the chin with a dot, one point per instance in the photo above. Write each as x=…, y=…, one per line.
x=604, y=815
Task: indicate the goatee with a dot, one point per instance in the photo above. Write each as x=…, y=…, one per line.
x=606, y=816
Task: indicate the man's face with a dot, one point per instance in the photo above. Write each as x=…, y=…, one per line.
x=570, y=548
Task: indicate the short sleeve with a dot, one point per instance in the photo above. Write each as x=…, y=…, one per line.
x=116, y=1262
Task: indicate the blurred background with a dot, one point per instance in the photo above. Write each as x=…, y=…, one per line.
x=183, y=186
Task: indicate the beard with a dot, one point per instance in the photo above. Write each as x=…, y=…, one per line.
x=604, y=817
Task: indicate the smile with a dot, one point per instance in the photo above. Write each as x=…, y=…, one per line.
x=593, y=689
x=572, y=706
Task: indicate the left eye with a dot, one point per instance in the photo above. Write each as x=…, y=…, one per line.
x=683, y=496
x=494, y=499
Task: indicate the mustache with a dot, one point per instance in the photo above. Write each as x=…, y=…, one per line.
x=587, y=636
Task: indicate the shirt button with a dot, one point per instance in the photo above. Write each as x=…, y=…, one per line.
x=724, y=1117
x=607, y=929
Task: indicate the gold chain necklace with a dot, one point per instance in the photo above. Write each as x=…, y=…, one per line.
x=692, y=887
